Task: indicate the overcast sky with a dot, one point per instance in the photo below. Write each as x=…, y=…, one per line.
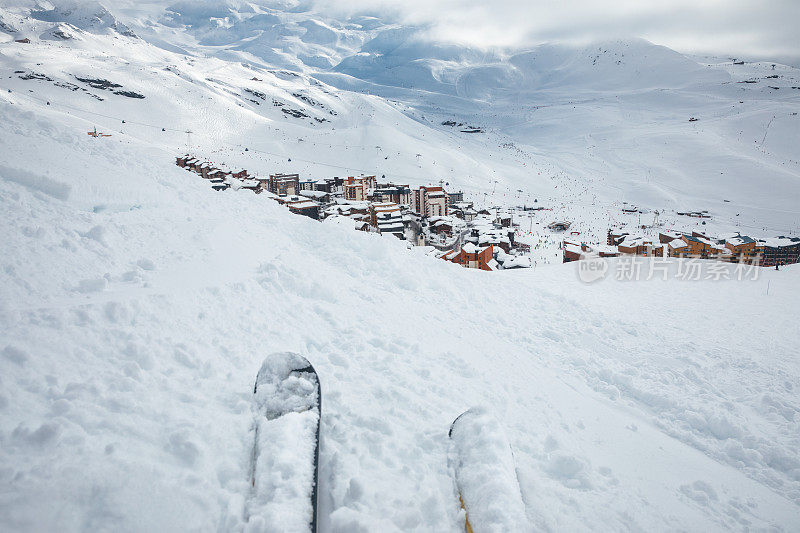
x=768, y=29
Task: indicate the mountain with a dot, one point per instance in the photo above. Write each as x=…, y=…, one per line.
x=137, y=303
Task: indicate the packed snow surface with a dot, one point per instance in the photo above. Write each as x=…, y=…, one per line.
x=137, y=304
x=485, y=474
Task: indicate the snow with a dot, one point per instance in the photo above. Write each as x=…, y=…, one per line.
x=485, y=474
x=469, y=248
x=137, y=304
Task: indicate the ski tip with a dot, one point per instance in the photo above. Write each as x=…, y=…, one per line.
x=472, y=411
x=279, y=365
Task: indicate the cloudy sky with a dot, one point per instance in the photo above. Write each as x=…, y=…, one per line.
x=753, y=29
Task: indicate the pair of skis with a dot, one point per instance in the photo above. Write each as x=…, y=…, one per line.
x=285, y=462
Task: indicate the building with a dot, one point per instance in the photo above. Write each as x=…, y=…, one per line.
x=318, y=196
x=387, y=218
x=471, y=256
x=305, y=207
x=698, y=246
x=398, y=194
x=455, y=198
x=779, y=251
x=638, y=245
x=217, y=174
x=357, y=189
x=284, y=184
x=559, y=225
x=573, y=251
x=666, y=237
x=742, y=248
x=333, y=185
x=677, y=248
x=429, y=201
x=616, y=237
x=440, y=225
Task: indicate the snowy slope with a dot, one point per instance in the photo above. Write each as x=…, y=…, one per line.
x=137, y=304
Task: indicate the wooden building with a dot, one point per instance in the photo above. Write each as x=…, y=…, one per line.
x=471, y=256
x=304, y=207
x=387, y=218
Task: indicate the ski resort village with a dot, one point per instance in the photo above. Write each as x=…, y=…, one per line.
x=480, y=237
x=291, y=266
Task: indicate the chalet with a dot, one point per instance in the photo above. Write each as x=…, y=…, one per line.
x=616, y=237
x=354, y=210
x=666, y=237
x=429, y=201
x=23, y=41
x=471, y=256
x=250, y=185
x=573, y=252
x=522, y=247
x=677, y=248
x=241, y=175
x=387, y=218
x=504, y=220
x=467, y=213
x=304, y=207
x=441, y=226
x=206, y=169
x=284, y=184
x=496, y=238
x=217, y=174
x=317, y=196
x=181, y=160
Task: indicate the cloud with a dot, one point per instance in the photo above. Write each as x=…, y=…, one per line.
x=725, y=27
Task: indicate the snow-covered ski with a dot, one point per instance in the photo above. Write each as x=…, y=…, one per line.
x=285, y=460
x=485, y=475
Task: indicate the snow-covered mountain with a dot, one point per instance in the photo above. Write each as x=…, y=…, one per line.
x=137, y=304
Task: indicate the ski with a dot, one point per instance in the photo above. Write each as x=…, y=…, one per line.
x=285, y=456
x=485, y=476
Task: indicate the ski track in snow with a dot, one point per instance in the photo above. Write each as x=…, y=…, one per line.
x=136, y=306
